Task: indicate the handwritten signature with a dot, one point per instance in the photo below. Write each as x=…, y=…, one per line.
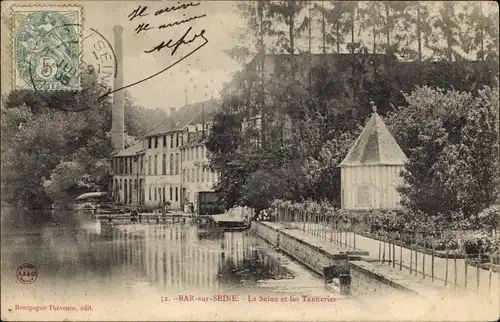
x=172, y=44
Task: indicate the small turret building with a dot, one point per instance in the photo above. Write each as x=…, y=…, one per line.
x=370, y=173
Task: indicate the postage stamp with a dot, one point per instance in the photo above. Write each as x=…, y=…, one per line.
x=46, y=44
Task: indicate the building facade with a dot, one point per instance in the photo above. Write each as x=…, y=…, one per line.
x=168, y=165
x=196, y=174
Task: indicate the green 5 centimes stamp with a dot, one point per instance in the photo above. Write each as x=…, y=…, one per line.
x=46, y=47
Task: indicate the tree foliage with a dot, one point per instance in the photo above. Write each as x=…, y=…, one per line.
x=56, y=145
x=451, y=140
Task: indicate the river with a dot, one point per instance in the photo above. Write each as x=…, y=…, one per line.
x=154, y=272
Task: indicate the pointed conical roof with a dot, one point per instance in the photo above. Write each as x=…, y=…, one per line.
x=374, y=146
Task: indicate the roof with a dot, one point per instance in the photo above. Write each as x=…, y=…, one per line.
x=188, y=114
x=195, y=142
x=374, y=146
x=91, y=194
x=131, y=150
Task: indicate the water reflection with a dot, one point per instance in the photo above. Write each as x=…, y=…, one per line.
x=174, y=257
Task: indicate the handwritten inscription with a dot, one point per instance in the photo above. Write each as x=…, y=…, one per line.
x=141, y=14
x=175, y=45
x=187, y=38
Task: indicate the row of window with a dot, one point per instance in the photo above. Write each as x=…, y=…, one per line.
x=194, y=153
x=198, y=175
x=127, y=165
x=173, y=139
x=163, y=194
x=174, y=166
x=130, y=190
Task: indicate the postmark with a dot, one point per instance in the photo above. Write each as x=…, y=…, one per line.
x=27, y=273
x=47, y=46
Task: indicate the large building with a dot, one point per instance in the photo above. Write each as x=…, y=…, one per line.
x=169, y=164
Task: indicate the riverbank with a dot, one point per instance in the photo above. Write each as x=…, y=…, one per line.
x=368, y=275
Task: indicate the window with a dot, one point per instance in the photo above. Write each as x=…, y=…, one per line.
x=149, y=165
x=164, y=140
x=171, y=163
x=363, y=196
x=156, y=164
x=184, y=175
x=171, y=141
x=130, y=191
x=156, y=197
x=164, y=165
x=159, y=194
x=149, y=142
x=187, y=175
x=213, y=176
x=149, y=193
x=202, y=174
x=177, y=163
x=197, y=174
x=156, y=141
x=177, y=140
x=163, y=190
x=192, y=175
x=197, y=154
x=135, y=184
x=171, y=195
x=176, y=194
x=132, y=161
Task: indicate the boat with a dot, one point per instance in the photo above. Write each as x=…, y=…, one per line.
x=220, y=223
x=97, y=203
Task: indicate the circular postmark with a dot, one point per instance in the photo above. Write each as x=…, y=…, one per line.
x=27, y=273
x=54, y=62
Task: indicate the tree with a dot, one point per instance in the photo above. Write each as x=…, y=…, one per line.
x=451, y=140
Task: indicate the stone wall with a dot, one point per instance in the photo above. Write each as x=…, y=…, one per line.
x=266, y=232
x=309, y=255
x=366, y=281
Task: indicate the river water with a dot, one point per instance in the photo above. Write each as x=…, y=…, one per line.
x=91, y=271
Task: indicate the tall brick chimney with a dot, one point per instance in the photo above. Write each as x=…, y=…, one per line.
x=117, y=114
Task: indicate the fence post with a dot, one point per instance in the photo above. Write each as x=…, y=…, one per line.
x=455, y=266
x=490, y=274
x=389, y=246
x=446, y=273
x=465, y=268
x=423, y=258
x=383, y=253
x=478, y=270
x=401, y=253
x=393, y=252
x=411, y=253
x=379, y=246
x=416, y=257
x=354, y=239
x=432, y=261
